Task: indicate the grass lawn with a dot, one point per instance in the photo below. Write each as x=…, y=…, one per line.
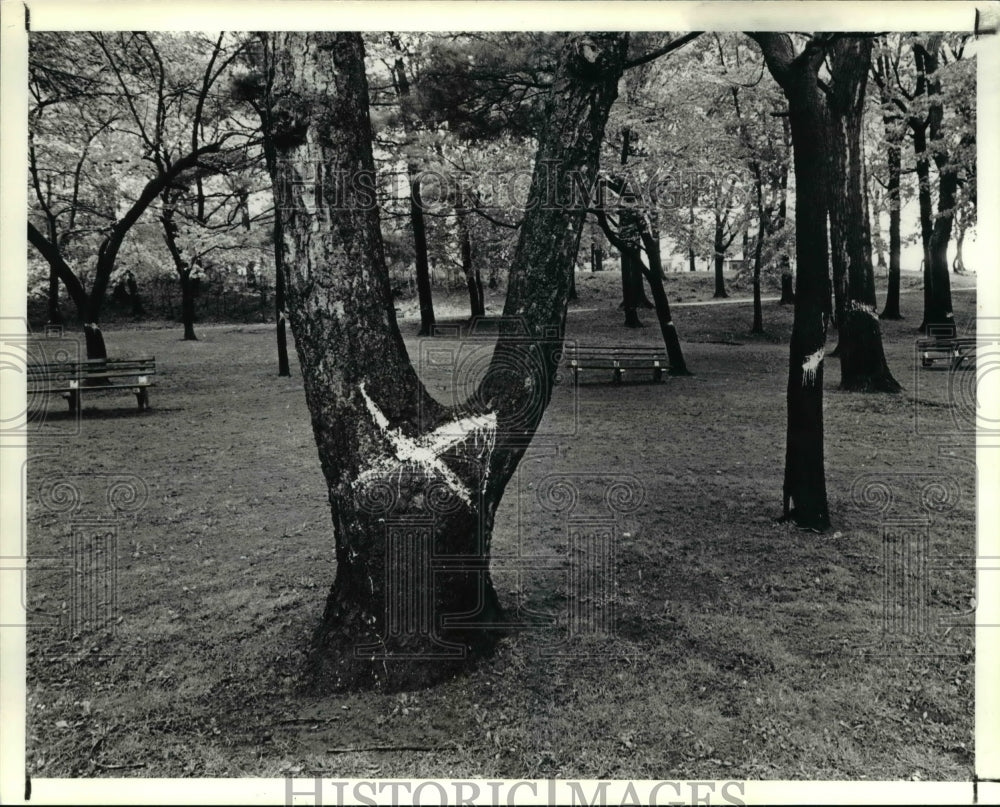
x=741, y=647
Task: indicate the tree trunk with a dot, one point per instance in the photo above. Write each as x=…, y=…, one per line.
x=472, y=279
x=654, y=275
x=805, y=500
x=420, y=249
x=187, y=304
x=926, y=210
x=182, y=267
x=894, y=157
x=719, y=254
x=630, y=301
x=863, y=367
x=55, y=316
x=787, y=289
x=958, y=265
x=758, y=309
x=938, y=317
x=414, y=487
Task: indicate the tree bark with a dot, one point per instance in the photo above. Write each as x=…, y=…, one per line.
x=863, y=366
x=805, y=501
x=414, y=486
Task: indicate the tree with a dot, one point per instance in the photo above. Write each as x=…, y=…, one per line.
x=97, y=90
x=805, y=500
x=255, y=87
x=862, y=359
x=931, y=92
x=378, y=431
x=892, y=121
x=196, y=220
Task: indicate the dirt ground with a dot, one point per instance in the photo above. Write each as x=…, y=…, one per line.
x=739, y=647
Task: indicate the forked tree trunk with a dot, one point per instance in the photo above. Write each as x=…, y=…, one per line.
x=805, y=500
x=863, y=366
x=414, y=486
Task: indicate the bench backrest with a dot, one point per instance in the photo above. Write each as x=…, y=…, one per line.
x=44, y=371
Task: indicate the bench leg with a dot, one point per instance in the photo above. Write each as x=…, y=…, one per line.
x=142, y=398
x=74, y=401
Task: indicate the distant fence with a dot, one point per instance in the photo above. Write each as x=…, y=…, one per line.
x=160, y=299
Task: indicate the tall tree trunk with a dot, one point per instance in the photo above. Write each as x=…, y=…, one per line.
x=424, y=295
x=413, y=486
x=758, y=309
x=719, y=254
x=926, y=209
x=805, y=500
x=279, y=309
x=863, y=366
x=473, y=282
x=938, y=317
x=894, y=157
x=691, y=264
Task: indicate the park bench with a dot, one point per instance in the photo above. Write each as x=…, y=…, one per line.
x=71, y=378
x=957, y=350
x=616, y=359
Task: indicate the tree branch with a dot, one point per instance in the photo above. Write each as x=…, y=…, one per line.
x=671, y=46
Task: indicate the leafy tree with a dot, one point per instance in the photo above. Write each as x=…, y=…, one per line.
x=82, y=85
x=930, y=88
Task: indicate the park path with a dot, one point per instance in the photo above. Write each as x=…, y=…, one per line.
x=736, y=300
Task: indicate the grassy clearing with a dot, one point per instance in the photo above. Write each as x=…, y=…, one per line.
x=742, y=647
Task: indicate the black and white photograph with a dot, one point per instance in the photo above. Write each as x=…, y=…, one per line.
x=497, y=403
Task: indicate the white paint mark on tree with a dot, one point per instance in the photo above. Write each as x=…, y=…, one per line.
x=424, y=452
x=864, y=308
x=810, y=366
